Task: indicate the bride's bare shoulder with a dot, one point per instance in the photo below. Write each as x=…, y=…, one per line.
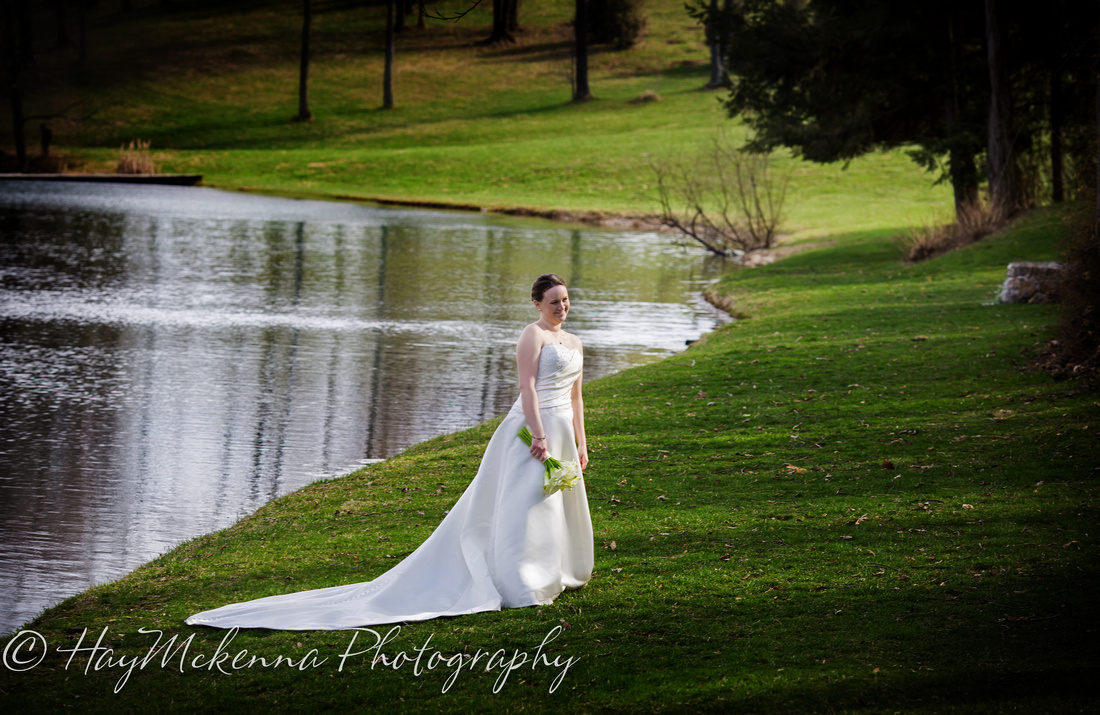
x=531, y=339
x=533, y=334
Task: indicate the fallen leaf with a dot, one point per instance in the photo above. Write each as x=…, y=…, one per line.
x=887, y=464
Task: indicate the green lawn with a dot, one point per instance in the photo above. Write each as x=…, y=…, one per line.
x=213, y=87
x=854, y=500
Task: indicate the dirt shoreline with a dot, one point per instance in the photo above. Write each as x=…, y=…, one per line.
x=604, y=219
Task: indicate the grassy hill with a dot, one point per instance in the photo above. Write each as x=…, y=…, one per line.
x=213, y=86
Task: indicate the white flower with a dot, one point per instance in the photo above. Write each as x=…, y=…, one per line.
x=562, y=477
x=559, y=476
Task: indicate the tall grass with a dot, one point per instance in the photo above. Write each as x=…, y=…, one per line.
x=972, y=222
x=134, y=158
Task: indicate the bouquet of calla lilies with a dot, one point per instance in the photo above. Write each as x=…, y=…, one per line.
x=559, y=476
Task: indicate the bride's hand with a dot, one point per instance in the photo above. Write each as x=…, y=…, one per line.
x=538, y=449
x=583, y=456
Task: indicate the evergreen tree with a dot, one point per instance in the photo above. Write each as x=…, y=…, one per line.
x=835, y=79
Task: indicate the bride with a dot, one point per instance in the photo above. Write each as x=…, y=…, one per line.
x=505, y=543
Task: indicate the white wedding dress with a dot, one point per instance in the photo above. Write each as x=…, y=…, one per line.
x=504, y=544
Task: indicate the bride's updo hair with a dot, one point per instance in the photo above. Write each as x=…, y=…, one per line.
x=544, y=283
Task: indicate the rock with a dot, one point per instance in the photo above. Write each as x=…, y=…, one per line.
x=1032, y=282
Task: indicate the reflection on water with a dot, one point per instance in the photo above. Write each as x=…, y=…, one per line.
x=171, y=359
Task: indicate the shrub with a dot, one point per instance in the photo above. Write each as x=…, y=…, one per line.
x=619, y=23
x=645, y=97
x=1076, y=351
x=973, y=222
x=727, y=199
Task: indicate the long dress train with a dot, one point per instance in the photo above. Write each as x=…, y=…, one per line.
x=504, y=544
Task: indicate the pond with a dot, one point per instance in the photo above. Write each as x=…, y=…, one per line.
x=173, y=358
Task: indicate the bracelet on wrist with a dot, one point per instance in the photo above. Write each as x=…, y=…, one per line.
x=538, y=438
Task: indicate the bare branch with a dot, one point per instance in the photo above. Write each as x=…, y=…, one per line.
x=456, y=17
x=64, y=114
x=726, y=199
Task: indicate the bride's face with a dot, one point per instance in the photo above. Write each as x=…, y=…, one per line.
x=554, y=305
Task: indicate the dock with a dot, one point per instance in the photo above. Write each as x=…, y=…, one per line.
x=167, y=179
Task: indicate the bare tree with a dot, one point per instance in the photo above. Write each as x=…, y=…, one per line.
x=714, y=42
x=82, y=37
x=387, y=74
x=403, y=9
x=727, y=199
x=581, y=93
x=505, y=21
x=14, y=58
x=59, y=22
x=304, y=115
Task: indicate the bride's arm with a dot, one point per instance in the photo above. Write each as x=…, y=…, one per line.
x=527, y=364
x=578, y=420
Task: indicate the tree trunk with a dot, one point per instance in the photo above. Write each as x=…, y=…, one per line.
x=712, y=35
x=45, y=136
x=1057, y=150
x=420, y=15
x=581, y=92
x=62, y=27
x=1003, y=187
x=399, y=17
x=960, y=156
x=304, y=115
x=26, y=38
x=1096, y=69
x=83, y=31
x=387, y=75
x=13, y=71
x=15, y=100
x=513, y=16
x=502, y=30
x=964, y=178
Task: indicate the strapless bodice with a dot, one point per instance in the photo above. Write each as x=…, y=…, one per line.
x=559, y=368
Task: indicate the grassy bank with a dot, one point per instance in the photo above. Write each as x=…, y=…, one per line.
x=854, y=500
x=213, y=87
